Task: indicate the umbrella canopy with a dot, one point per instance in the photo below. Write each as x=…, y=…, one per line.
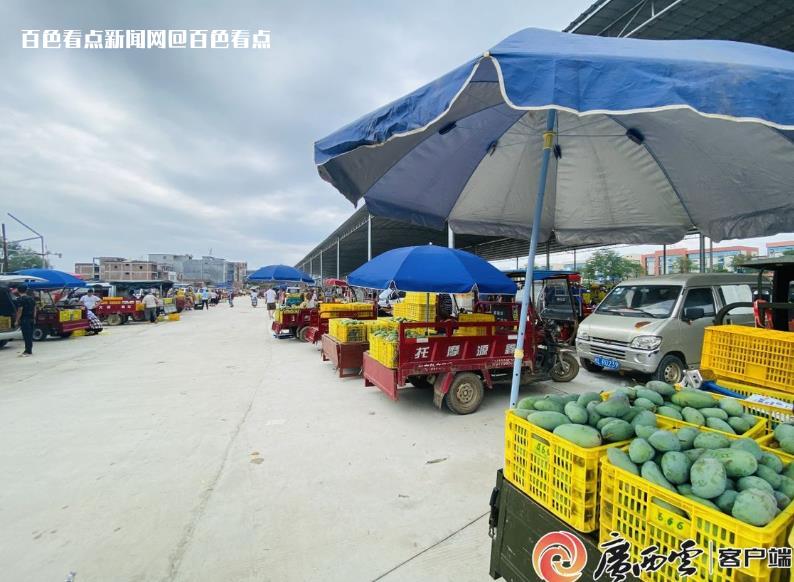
x=431, y=269
x=51, y=279
x=645, y=142
x=335, y=283
x=280, y=273
x=640, y=140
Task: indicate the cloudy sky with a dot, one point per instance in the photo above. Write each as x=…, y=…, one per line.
x=129, y=152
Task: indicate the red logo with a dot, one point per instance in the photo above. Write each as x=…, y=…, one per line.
x=559, y=556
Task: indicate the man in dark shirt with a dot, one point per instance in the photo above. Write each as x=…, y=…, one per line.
x=26, y=316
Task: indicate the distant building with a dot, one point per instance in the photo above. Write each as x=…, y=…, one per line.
x=120, y=269
x=778, y=248
x=721, y=259
x=161, y=266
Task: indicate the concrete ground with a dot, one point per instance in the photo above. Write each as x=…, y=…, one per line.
x=207, y=450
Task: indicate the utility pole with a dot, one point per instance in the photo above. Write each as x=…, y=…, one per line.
x=5, y=249
x=38, y=236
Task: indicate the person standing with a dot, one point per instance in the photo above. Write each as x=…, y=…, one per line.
x=90, y=300
x=270, y=299
x=254, y=298
x=205, y=298
x=26, y=316
x=150, y=306
x=231, y=298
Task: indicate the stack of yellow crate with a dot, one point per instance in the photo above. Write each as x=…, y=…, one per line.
x=383, y=348
x=417, y=298
x=414, y=311
x=347, y=330
x=5, y=323
x=468, y=317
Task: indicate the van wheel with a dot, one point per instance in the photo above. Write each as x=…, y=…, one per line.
x=670, y=370
x=38, y=334
x=3, y=343
x=590, y=366
x=301, y=335
x=466, y=393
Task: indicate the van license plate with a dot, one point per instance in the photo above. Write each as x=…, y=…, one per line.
x=606, y=363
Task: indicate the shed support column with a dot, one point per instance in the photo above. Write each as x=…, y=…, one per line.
x=369, y=237
x=711, y=255
x=321, y=266
x=450, y=237
x=574, y=259
x=548, y=255
x=702, y=252
x=338, y=240
x=664, y=260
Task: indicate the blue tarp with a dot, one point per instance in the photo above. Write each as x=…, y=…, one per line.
x=651, y=137
x=52, y=279
x=431, y=269
x=280, y=273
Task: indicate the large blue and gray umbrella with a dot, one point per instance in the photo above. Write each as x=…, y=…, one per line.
x=589, y=139
x=280, y=273
x=431, y=269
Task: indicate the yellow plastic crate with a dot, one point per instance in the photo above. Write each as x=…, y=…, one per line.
x=560, y=475
x=774, y=414
x=173, y=317
x=419, y=298
x=347, y=330
x=628, y=508
x=414, y=312
x=5, y=323
x=472, y=331
x=383, y=350
x=758, y=356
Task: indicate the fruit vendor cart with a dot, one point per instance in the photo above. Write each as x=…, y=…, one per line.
x=118, y=310
x=345, y=356
x=58, y=321
x=319, y=319
x=460, y=359
x=56, y=314
x=292, y=322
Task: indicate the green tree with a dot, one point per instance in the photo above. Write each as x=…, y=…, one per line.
x=20, y=257
x=788, y=253
x=607, y=266
x=683, y=264
x=739, y=260
x=719, y=269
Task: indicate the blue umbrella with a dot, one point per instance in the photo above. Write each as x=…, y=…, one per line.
x=636, y=141
x=431, y=269
x=52, y=279
x=280, y=273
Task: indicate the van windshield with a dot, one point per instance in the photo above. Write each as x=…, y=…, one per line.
x=655, y=301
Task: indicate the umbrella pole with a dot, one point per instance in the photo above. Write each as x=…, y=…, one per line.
x=548, y=141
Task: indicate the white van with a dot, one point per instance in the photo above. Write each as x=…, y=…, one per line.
x=654, y=325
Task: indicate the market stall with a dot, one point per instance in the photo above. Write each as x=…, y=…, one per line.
x=290, y=320
x=635, y=142
x=56, y=316
x=431, y=344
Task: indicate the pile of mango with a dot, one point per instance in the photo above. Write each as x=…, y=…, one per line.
x=734, y=476
x=588, y=421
